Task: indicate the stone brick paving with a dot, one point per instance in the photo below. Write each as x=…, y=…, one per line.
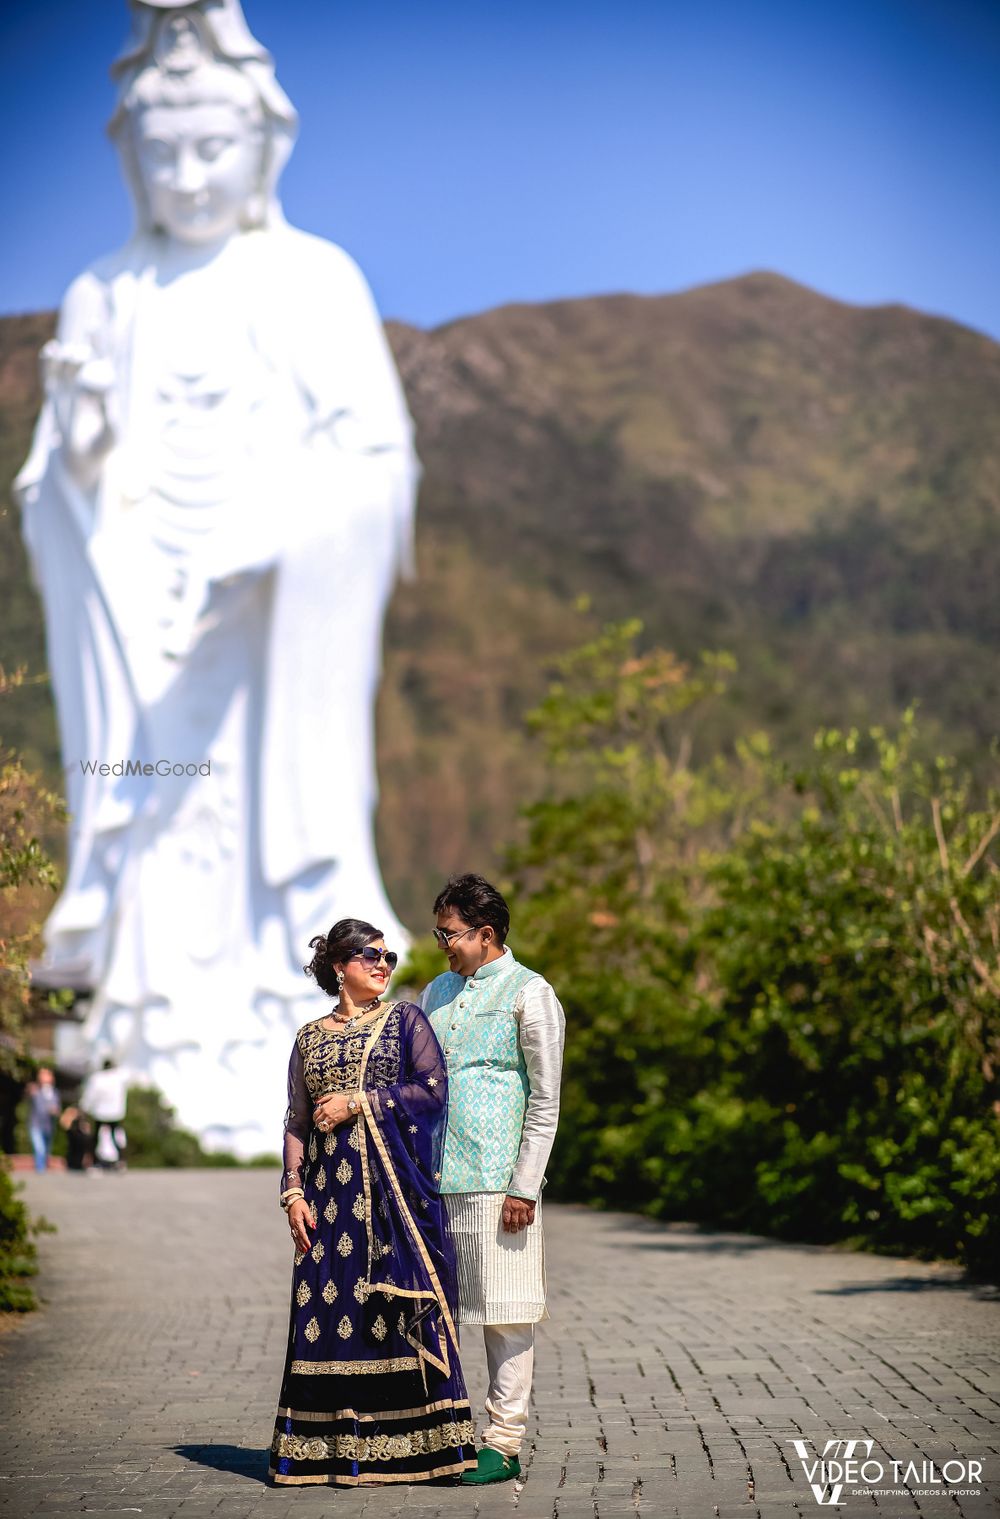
x=671, y=1379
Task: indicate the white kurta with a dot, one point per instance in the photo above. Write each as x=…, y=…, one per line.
x=501, y=1276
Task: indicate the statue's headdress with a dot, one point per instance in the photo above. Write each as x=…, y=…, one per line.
x=176, y=38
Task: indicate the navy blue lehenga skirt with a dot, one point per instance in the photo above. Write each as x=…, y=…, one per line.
x=372, y=1389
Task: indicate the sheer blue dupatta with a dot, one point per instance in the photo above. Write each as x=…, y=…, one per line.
x=410, y=1256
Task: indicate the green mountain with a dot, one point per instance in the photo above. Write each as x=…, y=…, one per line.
x=747, y=465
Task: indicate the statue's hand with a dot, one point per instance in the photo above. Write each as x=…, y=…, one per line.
x=79, y=383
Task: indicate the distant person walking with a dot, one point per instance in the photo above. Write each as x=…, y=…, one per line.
x=103, y=1100
x=43, y=1110
x=79, y=1135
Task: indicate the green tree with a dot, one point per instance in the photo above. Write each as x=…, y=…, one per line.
x=29, y=812
x=854, y=956
x=781, y=986
x=607, y=884
x=28, y=880
x=154, y=1138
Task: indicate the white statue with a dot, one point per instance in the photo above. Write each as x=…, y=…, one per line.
x=216, y=506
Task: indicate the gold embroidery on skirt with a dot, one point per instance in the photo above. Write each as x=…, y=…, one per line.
x=330, y=1211
x=329, y=1292
x=361, y=1368
x=455, y=1411
x=345, y=1328
x=330, y=1143
x=380, y=1328
x=358, y=1206
x=318, y=1251
x=361, y=1290
x=344, y=1245
x=303, y=1293
x=321, y=1179
x=418, y=1442
x=312, y=1331
x=344, y=1172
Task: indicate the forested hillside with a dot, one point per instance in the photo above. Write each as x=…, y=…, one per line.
x=747, y=466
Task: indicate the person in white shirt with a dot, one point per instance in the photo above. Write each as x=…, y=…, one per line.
x=103, y=1099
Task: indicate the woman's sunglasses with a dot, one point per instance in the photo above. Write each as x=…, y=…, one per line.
x=371, y=956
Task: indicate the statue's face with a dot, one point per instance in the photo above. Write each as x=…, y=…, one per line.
x=200, y=165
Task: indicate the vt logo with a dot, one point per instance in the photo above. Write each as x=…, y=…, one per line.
x=827, y=1474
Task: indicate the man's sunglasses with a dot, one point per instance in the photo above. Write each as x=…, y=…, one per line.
x=444, y=939
x=372, y=956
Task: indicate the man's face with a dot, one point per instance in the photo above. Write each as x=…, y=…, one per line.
x=467, y=947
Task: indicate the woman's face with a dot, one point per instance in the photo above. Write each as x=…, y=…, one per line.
x=362, y=981
x=200, y=165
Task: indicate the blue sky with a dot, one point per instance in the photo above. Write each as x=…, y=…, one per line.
x=478, y=153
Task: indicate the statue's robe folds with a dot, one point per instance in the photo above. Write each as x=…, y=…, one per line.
x=215, y=597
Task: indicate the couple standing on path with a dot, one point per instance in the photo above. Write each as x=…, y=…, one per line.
x=416, y=1140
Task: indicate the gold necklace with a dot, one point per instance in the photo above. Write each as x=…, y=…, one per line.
x=347, y=1024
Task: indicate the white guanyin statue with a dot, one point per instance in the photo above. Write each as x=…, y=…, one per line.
x=217, y=504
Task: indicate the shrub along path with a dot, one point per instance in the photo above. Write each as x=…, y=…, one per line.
x=672, y=1377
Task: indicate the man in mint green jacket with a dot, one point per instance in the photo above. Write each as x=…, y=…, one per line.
x=502, y=1030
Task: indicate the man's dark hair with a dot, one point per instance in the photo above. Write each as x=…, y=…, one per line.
x=477, y=903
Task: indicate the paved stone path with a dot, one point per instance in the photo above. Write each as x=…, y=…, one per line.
x=675, y=1371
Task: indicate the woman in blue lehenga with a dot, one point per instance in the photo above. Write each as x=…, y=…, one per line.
x=372, y=1390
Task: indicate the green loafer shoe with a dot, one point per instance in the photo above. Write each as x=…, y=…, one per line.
x=492, y=1467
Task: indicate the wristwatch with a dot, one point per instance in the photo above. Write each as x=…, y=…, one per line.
x=353, y=1105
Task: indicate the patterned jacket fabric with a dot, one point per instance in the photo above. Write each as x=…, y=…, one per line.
x=502, y=1032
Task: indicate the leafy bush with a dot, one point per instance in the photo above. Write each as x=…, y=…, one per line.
x=781, y=988
x=853, y=951
x=154, y=1138
x=17, y=1249
x=28, y=882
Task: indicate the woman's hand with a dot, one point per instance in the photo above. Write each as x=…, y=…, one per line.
x=300, y=1222
x=330, y=1111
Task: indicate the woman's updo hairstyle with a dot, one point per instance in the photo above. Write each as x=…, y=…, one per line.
x=345, y=938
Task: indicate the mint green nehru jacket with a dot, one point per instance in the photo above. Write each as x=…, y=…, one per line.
x=477, y=1024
